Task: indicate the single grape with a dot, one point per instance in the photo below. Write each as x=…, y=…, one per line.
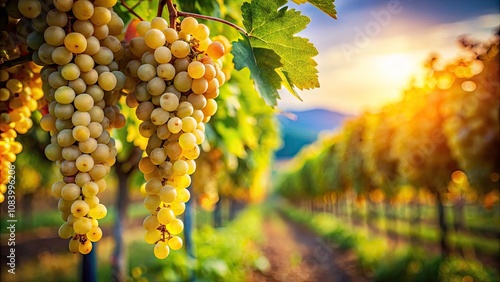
x=161, y=250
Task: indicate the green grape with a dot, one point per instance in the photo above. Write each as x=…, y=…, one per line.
x=84, y=163
x=30, y=8
x=107, y=81
x=166, y=71
x=150, y=223
x=71, y=153
x=61, y=56
x=156, y=86
x=142, y=27
x=162, y=55
x=56, y=18
x=98, y=171
x=57, y=187
x=101, y=16
x=201, y=32
x=170, y=35
x=70, y=71
x=176, y=226
x=180, y=49
x=182, y=81
x=151, y=237
x=53, y=152
x=54, y=35
x=165, y=215
x=183, y=195
x=94, y=234
x=175, y=243
x=151, y=202
x=146, y=72
x=158, y=156
x=180, y=167
x=85, y=247
x=79, y=208
x=90, y=189
x=65, y=231
x=167, y=194
x=104, y=56
x=169, y=102
x=74, y=245
x=154, y=38
x=64, y=95
x=199, y=86
x=70, y=192
x=83, y=102
x=161, y=250
x=92, y=201
x=196, y=69
x=178, y=207
x=175, y=124
x=75, y=42
x=99, y=211
x=83, y=10
x=82, y=225
x=159, y=116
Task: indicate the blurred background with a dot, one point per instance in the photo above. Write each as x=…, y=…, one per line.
x=388, y=172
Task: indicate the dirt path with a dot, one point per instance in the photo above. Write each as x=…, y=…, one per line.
x=296, y=254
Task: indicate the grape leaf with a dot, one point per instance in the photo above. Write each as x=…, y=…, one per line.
x=326, y=6
x=288, y=59
x=262, y=64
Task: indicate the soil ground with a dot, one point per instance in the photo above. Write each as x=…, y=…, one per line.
x=296, y=254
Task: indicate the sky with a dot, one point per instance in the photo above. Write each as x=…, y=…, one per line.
x=370, y=53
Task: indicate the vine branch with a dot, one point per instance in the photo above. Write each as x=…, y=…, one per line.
x=186, y=14
x=174, y=14
x=17, y=61
x=131, y=9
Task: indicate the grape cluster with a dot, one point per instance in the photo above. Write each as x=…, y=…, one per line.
x=177, y=75
x=81, y=80
x=20, y=95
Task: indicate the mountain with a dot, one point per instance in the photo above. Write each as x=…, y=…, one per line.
x=300, y=128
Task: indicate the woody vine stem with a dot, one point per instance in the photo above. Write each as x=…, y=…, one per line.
x=174, y=13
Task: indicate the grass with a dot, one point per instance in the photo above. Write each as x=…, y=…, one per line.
x=431, y=233
x=222, y=254
x=382, y=263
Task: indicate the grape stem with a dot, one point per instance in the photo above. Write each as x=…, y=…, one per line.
x=131, y=9
x=174, y=14
x=186, y=14
x=17, y=61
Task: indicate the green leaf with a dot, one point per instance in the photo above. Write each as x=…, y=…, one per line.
x=262, y=64
x=273, y=28
x=326, y=6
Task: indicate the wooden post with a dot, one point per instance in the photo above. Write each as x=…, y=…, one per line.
x=89, y=265
x=445, y=248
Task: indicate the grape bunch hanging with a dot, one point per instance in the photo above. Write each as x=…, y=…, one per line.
x=177, y=74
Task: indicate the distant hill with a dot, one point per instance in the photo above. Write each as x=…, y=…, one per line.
x=300, y=128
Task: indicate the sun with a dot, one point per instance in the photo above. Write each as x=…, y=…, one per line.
x=397, y=67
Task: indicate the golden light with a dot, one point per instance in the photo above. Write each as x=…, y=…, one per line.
x=445, y=81
x=459, y=177
x=468, y=86
x=396, y=67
